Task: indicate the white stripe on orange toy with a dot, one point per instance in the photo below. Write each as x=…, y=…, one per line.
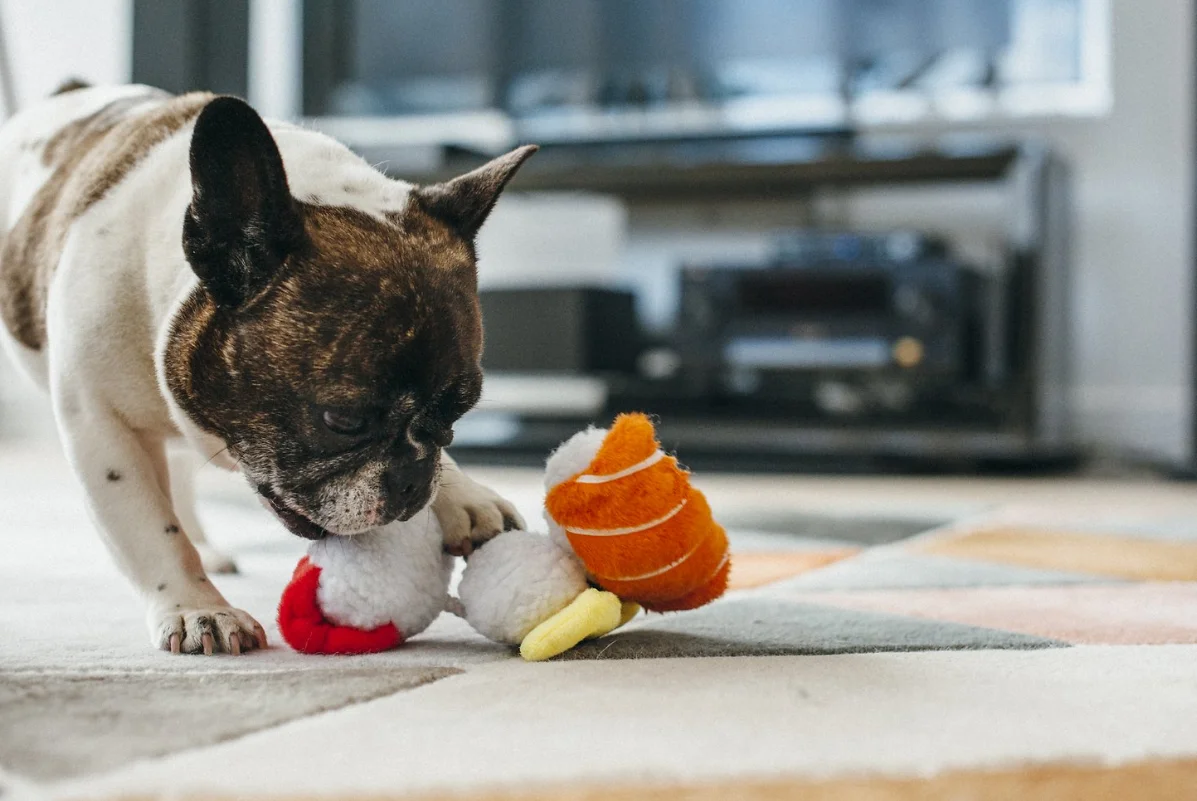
x=619, y=532
x=726, y=558
x=665, y=569
x=644, y=464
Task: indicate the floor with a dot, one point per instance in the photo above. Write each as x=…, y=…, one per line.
x=886, y=638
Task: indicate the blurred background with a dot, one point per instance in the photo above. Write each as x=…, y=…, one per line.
x=840, y=234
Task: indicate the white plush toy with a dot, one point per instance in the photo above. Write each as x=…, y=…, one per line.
x=622, y=515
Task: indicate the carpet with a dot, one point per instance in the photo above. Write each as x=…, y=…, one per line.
x=883, y=638
x=860, y=529
x=61, y=726
x=772, y=626
x=1132, y=558
x=1144, y=614
x=1147, y=781
x=710, y=720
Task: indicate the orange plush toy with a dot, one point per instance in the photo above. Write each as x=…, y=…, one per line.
x=632, y=517
x=626, y=531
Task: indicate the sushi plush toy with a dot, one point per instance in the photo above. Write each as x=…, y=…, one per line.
x=626, y=531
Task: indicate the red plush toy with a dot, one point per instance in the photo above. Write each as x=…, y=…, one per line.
x=305, y=627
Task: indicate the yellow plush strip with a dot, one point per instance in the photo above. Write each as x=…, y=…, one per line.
x=592, y=614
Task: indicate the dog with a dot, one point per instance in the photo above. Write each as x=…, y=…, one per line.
x=175, y=268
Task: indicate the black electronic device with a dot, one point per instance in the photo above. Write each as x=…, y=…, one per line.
x=581, y=330
x=843, y=306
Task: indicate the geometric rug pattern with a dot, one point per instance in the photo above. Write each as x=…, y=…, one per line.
x=1101, y=554
x=887, y=586
x=56, y=726
x=1154, y=613
x=945, y=638
x=988, y=584
x=1147, y=781
x=776, y=626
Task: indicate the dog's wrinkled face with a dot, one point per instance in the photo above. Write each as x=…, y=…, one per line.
x=332, y=350
x=341, y=383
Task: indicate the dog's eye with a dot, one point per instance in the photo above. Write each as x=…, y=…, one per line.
x=345, y=423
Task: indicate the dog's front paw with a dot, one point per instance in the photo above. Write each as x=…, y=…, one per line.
x=205, y=630
x=470, y=514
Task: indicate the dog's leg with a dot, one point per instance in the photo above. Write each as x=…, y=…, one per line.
x=184, y=465
x=469, y=513
x=127, y=485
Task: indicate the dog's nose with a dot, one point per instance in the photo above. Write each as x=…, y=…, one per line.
x=400, y=483
x=407, y=487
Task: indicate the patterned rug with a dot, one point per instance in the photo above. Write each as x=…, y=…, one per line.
x=883, y=638
x=990, y=583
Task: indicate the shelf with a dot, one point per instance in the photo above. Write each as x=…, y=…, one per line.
x=569, y=168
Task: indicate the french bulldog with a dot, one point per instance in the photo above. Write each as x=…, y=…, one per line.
x=176, y=268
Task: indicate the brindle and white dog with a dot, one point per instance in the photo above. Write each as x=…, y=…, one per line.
x=174, y=267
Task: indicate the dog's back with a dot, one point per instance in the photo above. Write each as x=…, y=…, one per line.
x=58, y=159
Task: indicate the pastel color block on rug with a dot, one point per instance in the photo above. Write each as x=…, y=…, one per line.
x=859, y=530
x=768, y=626
x=1135, y=559
x=1121, y=614
x=58, y=725
x=1139, y=781
x=751, y=570
x=897, y=568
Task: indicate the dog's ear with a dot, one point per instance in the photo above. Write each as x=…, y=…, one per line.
x=466, y=201
x=242, y=222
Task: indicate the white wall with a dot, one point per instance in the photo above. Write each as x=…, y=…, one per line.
x=1133, y=244
x=1134, y=304
x=50, y=41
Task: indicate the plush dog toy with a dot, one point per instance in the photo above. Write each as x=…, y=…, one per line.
x=626, y=530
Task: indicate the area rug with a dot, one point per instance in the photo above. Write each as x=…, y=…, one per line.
x=65, y=725
x=883, y=638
